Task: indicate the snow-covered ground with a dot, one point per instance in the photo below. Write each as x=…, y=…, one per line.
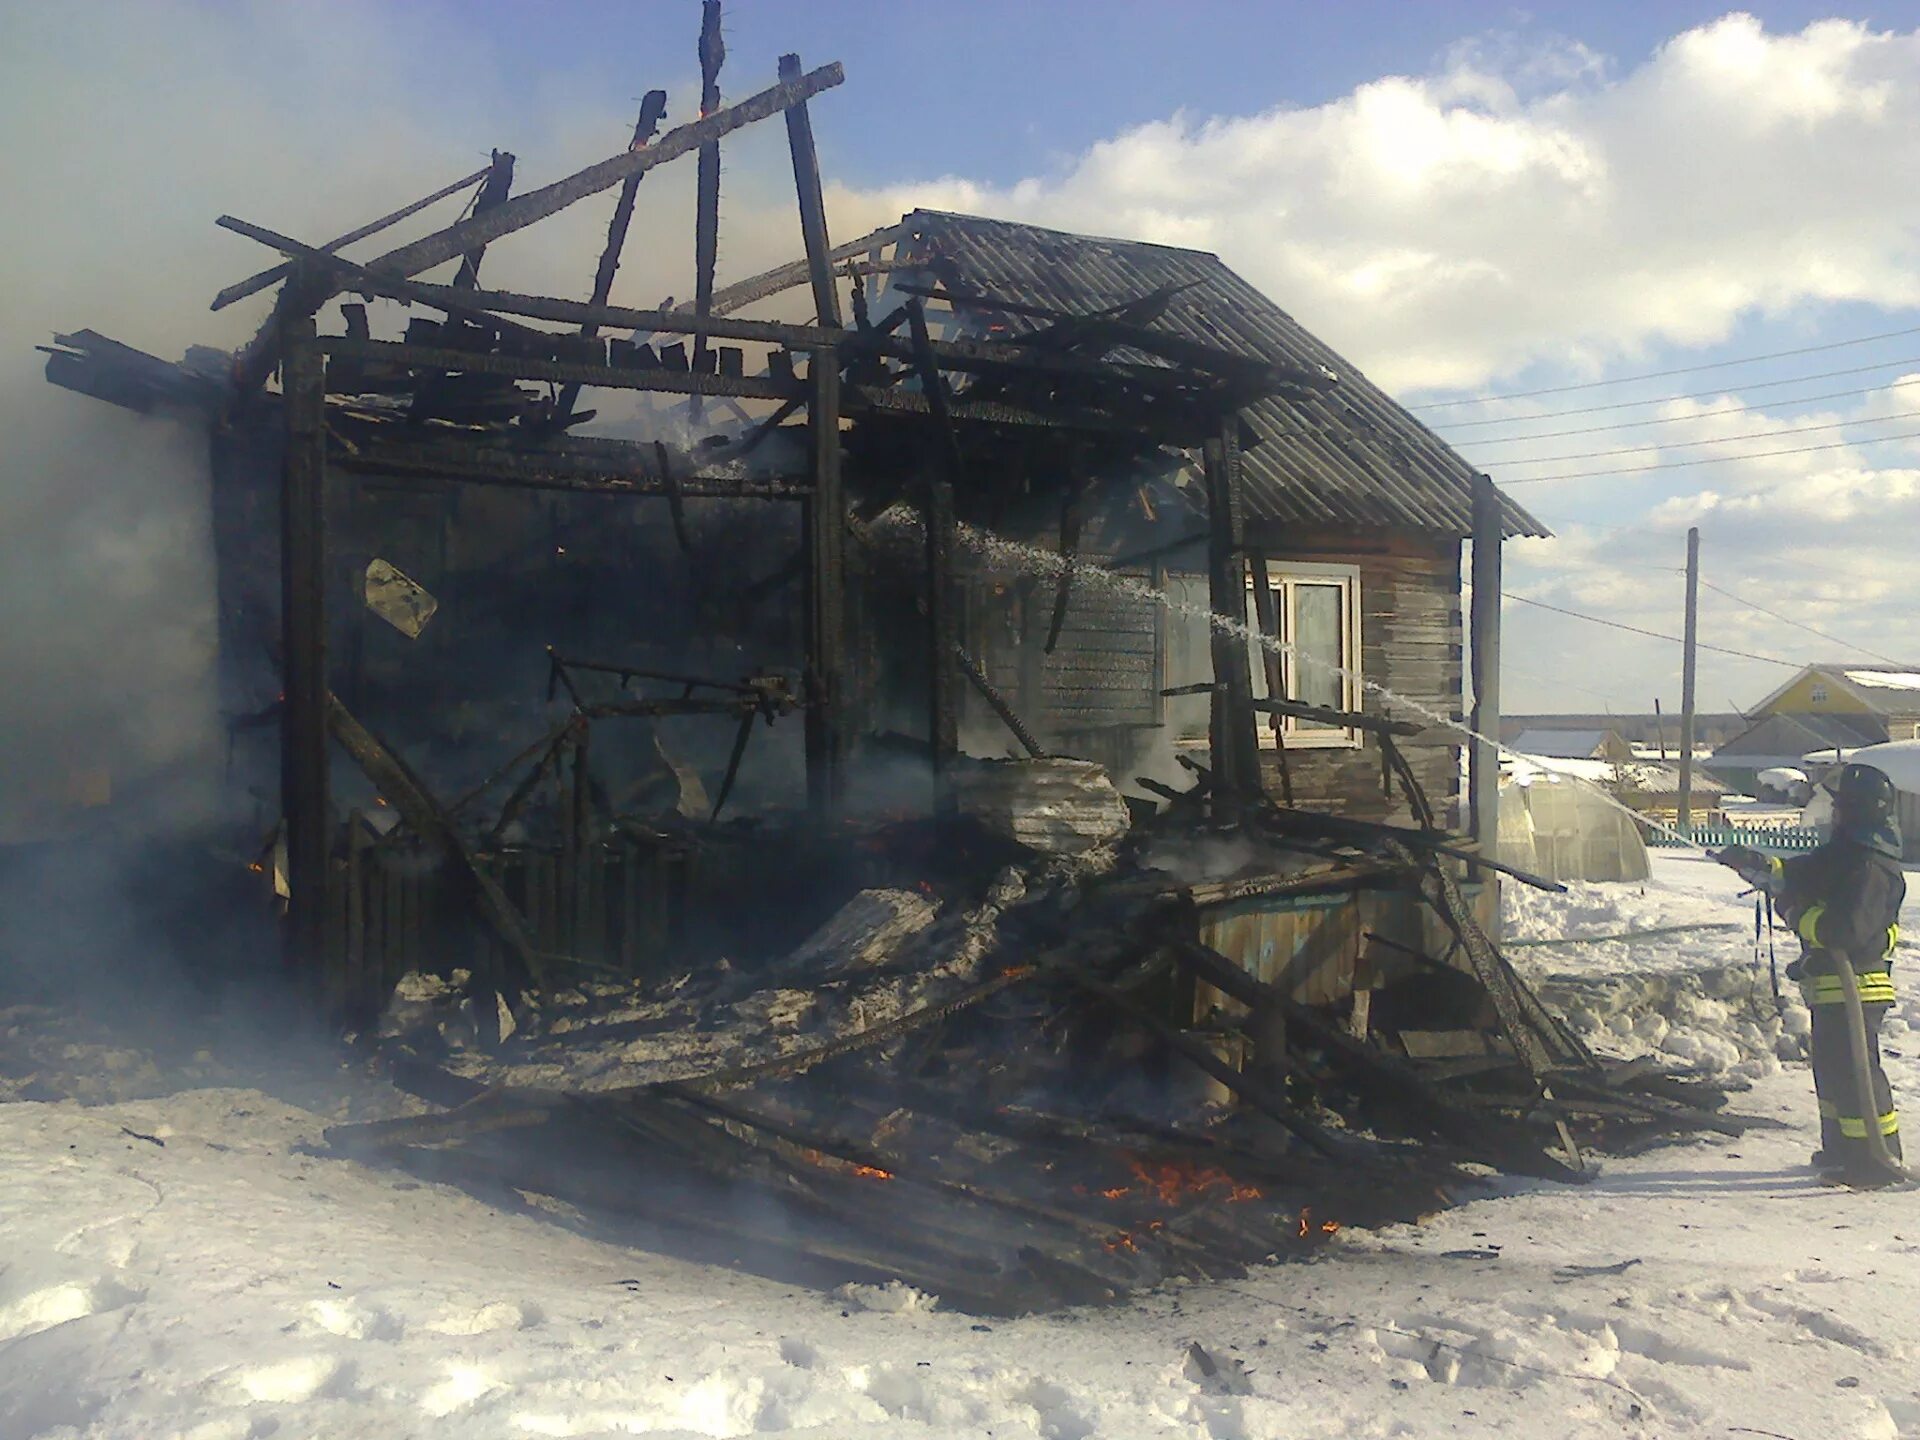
x=178, y=1267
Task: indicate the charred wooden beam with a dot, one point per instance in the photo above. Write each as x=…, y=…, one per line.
x=652, y=108
x=997, y=702
x=536, y=205
x=1233, y=742
x=492, y=196
x=395, y=780
x=467, y=462
x=1248, y=1088
x=813, y=214
x=743, y=293
x=1345, y=719
x=943, y=721
x=826, y=571
x=884, y=401
x=429, y=357
x=706, y=216
x=1391, y=1079
x=488, y=305
x=1008, y=359
x=254, y=284
x=304, y=792
x=1266, y=614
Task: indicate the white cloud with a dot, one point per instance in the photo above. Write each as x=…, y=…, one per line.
x=1520, y=206
x=1526, y=205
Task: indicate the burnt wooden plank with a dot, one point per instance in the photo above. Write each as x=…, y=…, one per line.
x=536, y=205
x=254, y=284
x=742, y=293
x=652, y=107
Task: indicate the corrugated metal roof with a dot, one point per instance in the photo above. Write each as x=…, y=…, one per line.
x=1350, y=457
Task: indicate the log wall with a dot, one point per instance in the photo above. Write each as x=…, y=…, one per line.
x=1411, y=643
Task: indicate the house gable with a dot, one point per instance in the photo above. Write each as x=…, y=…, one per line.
x=1847, y=689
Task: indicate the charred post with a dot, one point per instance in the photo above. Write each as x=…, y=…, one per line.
x=826, y=510
x=1267, y=615
x=652, y=109
x=943, y=709
x=493, y=195
x=706, y=218
x=304, y=801
x=1234, y=740
x=813, y=212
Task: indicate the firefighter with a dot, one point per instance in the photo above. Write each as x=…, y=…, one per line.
x=1843, y=900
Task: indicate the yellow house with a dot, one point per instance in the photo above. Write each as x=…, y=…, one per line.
x=1886, y=694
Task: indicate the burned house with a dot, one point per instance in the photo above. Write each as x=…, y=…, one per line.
x=754, y=737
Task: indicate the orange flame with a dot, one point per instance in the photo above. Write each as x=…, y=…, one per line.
x=1121, y=1241
x=1117, y=1192
x=873, y=1172
x=1173, y=1182
x=1307, y=1227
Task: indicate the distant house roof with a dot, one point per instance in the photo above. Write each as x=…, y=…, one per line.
x=1784, y=739
x=1634, y=777
x=1562, y=744
x=1352, y=456
x=1884, y=689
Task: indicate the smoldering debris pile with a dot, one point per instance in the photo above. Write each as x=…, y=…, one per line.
x=980, y=1092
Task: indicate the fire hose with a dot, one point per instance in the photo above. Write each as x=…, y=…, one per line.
x=1863, y=1070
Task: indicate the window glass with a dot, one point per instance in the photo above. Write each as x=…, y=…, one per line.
x=1317, y=649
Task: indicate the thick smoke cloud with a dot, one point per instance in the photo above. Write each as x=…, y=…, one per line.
x=1516, y=208
x=132, y=126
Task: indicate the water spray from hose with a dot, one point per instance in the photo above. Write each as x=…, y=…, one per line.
x=1013, y=554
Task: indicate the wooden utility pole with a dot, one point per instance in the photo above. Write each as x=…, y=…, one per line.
x=1687, y=660
x=1483, y=758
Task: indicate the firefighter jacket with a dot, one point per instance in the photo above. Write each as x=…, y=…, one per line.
x=1844, y=902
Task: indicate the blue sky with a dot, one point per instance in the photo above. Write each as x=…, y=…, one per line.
x=1026, y=82
x=1460, y=198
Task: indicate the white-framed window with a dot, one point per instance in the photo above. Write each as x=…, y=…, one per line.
x=1818, y=695
x=1317, y=609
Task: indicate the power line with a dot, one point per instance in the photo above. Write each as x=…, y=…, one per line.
x=1695, y=395
x=1687, y=419
x=1798, y=625
x=1716, y=459
x=1716, y=440
x=1663, y=374
x=1654, y=634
